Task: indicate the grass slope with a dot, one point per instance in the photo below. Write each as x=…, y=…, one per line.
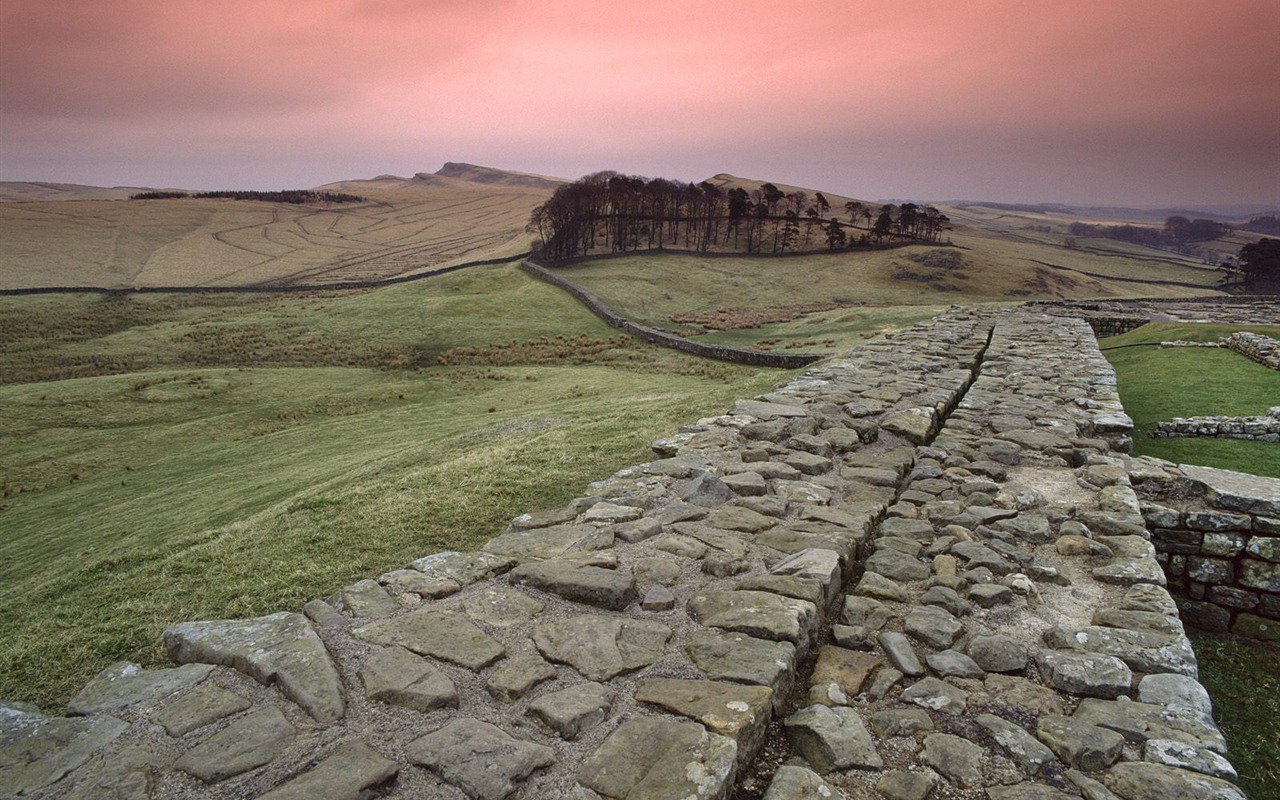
x=858, y=292
x=137, y=499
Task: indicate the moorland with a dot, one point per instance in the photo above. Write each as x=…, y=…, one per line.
x=190, y=454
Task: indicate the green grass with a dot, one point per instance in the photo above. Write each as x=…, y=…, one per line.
x=1243, y=678
x=1161, y=383
x=138, y=499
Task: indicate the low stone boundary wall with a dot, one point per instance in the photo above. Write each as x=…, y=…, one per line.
x=1217, y=534
x=737, y=355
x=1262, y=428
x=1263, y=349
x=918, y=570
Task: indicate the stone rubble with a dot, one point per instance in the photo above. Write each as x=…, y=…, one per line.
x=919, y=570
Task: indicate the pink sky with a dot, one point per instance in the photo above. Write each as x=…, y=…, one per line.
x=1152, y=102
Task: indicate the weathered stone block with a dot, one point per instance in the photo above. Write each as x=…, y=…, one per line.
x=1265, y=547
x=1256, y=627
x=1213, y=520
x=1262, y=575
x=1225, y=543
x=1232, y=597
x=1210, y=570
x=655, y=758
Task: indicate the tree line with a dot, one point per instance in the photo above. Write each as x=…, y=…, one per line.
x=294, y=196
x=608, y=211
x=1176, y=231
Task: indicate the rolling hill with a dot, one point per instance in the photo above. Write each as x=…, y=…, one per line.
x=407, y=225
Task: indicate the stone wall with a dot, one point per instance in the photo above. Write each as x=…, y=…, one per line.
x=1262, y=428
x=1255, y=346
x=920, y=569
x=739, y=355
x=1217, y=533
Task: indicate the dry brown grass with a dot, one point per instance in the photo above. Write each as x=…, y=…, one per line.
x=407, y=226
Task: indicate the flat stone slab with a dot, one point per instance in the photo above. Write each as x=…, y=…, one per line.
x=953, y=757
x=549, y=542
x=845, y=669
x=36, y=751
x=760, y=614
x=204, y=705
x=832, y=739
x=1087, y=674
x=570, y=712
x=1238, y=491
x=611, y=513
x=124, y=684
x=913, y=424
x=398, y=677
x=937, y=695
x=446, y=635
x=1078, y=743
x=345, y=774
x=660, y=758
x=251, y=741
x=896, y=565
x=412, y=581
x=501, y=606
x=1143, y=650
x=480, y=759
x=737, y=518
x=743, y=659
x=463, y=569
x=279, y=648
x=607, y=588
x=1133, y=780
x=365, y=598
x=1026, y=750
x=733, y=710
x=762, y=410
x=517, y=676
x=798, y=783
x=1140, y=722
x=602, y=647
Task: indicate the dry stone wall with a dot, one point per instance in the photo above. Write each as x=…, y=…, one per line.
x=920, y=571
x=738, y=355
x=1265, y=428
x=1263, y=349
x=1217, y=533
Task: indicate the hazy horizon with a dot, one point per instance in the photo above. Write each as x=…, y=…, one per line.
x=1148, y=104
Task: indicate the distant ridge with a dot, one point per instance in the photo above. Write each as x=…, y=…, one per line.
x=478, y=174
x=42, y=192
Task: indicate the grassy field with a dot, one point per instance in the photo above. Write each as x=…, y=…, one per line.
x=1161, y=383
x=407, y=225
x=186, y=488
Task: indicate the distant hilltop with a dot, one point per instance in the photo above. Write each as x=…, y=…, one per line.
x=43, y=192
x=477, y=174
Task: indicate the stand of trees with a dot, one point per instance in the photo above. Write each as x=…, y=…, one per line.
x=294, y=196
x=624, y=213
x=1176, y=231
x=1258, y=264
